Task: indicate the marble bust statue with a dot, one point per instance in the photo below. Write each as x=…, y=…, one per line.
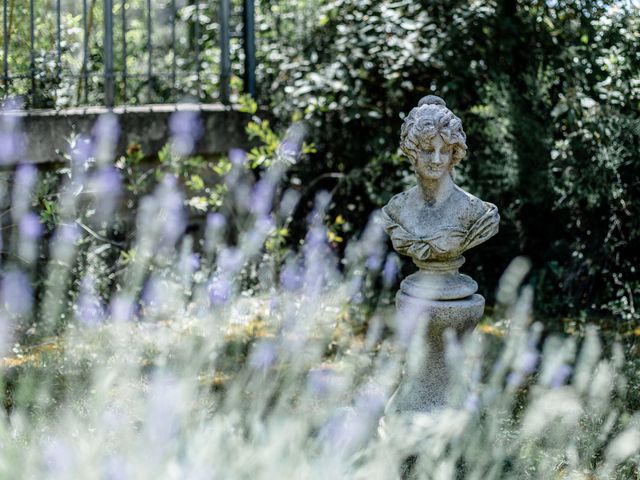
x=436, y=221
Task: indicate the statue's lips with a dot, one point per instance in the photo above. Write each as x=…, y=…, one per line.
x=434, y=169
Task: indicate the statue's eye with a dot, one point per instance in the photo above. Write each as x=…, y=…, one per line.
x=429, y=150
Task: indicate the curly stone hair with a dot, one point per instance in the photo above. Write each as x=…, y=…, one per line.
x=429, y=118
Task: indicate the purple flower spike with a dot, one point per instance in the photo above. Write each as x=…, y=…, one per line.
x=560, y=375
x=30, y=227
x=515, y=379
x=67, y=234
x=406, y=325
x=390, y=271
x=83, y=150
x=263, y=355
x=355, y=290
x=324, y=381
x=261, y=197
x=219, y=291
x=191, y=263
x=12, y=139
x=292, y=277
x=216, y=221
x=230, y=260
x=371, y=400
x=374, y=262
x=24, y=182
x=89, y=308
x=528, y=361
x=186, y=129
x=16, y=292
x=26, y=176
x=107, y=129
x=472, y=402
x=237, y=156
x=121, y=309
x=107, y=182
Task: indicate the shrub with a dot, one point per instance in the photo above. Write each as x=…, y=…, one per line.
x=548, y=94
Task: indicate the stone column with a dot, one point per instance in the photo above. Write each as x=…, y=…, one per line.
x=444, y=299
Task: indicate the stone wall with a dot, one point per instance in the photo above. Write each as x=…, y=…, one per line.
x=148, y=125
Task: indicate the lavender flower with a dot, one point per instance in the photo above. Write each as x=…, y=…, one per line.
x=355, y=290
x=230, y=260
x=190, y=263
x=472, y=402
x=30, y=227
x=290, y=148
x=64, y=241
x=57, y=457
x=220, y=289
x=374, y=262
x=16, y=292
x=292, y=277
x=237, y=156
x=216, y=222
x=390, y=270
x=106, y=185
x=324, y=381
x=171, y=214
x=263, y=355
x=25, y=180
x=121, y=309
x=89, y=308
x=560, y=375
x=12, y=139
x=406, y=324
x=261, y=197
x=81, y=156
x=186, y=129
x=105, y=133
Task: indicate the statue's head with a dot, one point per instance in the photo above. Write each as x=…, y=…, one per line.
x=431, y=122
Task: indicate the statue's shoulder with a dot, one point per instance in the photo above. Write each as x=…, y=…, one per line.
x=469, y=205
x=398, y=203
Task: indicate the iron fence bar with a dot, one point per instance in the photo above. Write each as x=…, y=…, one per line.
x=197, y=37
x=85, y=51
x=173, y=48
x=5, y=36
x=225, y=57
x=58, y=44
x=58, y=35
x=249, y=48
x=108, y=53
x=149, y=49
x=32, y=54
x=124, y=51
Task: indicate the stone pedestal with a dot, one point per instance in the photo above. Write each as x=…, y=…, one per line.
x=427, y=294
x=434, y=223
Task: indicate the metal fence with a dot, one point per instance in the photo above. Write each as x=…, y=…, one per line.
x=59, y=53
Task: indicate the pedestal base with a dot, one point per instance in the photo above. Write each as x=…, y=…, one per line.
x=425, y=389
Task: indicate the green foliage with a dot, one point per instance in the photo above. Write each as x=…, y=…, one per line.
x=49, y=83
x=549, y=96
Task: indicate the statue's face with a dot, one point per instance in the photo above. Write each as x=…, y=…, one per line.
x=434, y=159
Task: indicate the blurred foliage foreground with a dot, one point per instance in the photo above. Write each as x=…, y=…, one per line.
x=136, y=347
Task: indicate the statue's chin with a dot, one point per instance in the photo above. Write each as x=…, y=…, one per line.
x=432, y=175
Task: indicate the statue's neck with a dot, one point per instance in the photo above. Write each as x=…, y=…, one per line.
x=436, y=191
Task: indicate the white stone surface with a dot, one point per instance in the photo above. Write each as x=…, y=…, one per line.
x=434, y=223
